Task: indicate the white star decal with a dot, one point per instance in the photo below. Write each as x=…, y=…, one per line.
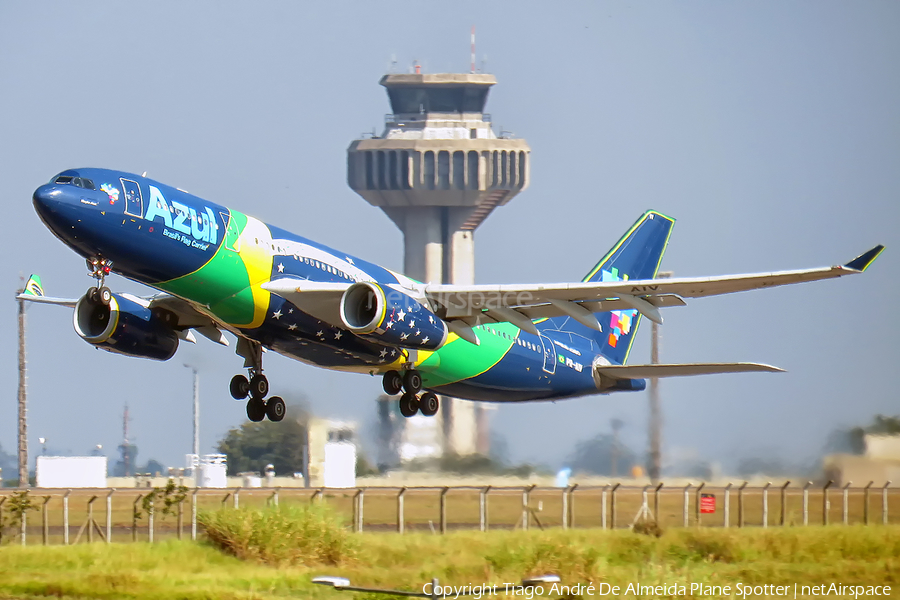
x=418, y=332
x=412, y=323
x=394, y=352
x=338, y=335
x=277, y=314
x=292, y=326
x=290, y=311
x=401, y=315
x=431, y=319
x=320, y=333
x=350, y=260
x=281, y=267
x=389, y=325
x=425, y=340
x=403, y=336
x=383, y=352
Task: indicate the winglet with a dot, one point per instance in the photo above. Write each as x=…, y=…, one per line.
x=862, y=262
x=33, y=287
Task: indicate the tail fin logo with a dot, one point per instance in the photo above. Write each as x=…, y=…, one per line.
x=33, y=286
x=620, y=321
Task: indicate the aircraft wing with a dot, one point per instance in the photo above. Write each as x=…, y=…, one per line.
x=518, y=304
x=681, y=370
x=319, y=299
x=189, y=317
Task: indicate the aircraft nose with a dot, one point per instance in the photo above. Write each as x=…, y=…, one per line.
x=46, y=198
x=54, y=207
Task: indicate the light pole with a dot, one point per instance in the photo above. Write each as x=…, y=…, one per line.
x=655, y=433
x=23, y=405
x=43, y=442
x=196, y=445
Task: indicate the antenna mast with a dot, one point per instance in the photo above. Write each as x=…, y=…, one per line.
x=473, y=50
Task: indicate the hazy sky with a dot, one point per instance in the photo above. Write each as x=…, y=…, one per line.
x=770, y=130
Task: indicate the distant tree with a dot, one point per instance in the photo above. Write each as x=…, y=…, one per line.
x=121, y=469
x=252, y=446
x=154, y=467
x=596, y=455
x=851, y=440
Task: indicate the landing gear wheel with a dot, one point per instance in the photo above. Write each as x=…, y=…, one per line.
x=256, y=410
x=409, y=405
x=104, y=294
x=412, y=382
x=240, y=387
x=392, y=383
x=275, y=408
x=93, y=296
x=429, y=404
x=259, y=386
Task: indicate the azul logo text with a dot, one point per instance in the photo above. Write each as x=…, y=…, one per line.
x=201, y=226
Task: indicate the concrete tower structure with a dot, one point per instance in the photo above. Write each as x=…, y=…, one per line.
x=438, y=170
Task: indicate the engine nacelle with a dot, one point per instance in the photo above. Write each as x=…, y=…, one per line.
x=125, y=327
x=391, y=317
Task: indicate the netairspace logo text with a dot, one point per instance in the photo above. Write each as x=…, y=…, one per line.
x=739, y=590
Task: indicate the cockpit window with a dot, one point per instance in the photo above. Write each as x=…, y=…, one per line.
x=76, y=181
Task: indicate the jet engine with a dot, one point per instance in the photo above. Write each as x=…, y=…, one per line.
x=387, y=316
x=126, y=327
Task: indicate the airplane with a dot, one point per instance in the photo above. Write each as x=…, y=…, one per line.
x=219, y=270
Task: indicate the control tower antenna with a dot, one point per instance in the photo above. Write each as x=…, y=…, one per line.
x=437, y=171
x=473, y=50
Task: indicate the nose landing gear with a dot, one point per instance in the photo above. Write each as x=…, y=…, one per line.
x=410, y=383
x=256, y=387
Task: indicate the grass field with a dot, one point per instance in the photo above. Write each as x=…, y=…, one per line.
x=422, y=508
x=171, y=569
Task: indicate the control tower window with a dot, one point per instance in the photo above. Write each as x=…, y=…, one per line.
x=445, y=99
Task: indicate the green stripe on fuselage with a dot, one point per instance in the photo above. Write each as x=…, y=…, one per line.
x=461, y=360
x=222, y=284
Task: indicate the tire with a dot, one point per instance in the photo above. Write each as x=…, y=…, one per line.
x=104, y=294
x=239, y=387
x=409, y=405
x=92, y=296
x=275, y=408
x=259, y=387
x=256, y=410
x=392, y=383
x=429, y=405
x=412, y=382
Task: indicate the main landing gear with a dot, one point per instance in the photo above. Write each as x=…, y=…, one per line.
x=256, y=387
x=99, y=268
x=410, y=383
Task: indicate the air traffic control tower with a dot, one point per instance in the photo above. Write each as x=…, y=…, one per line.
x=438, y=170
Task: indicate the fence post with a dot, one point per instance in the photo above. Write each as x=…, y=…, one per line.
x=444, y=509
x=806, y=502
x=572, y=506
x=356, y=511
x=765, y=504
x=2, y=500
x=362, y=498
x=685, y=512
x=884, y=503
x=194, y=514
x=697, y=499
x=401, y=520
x=134, y=517
x=45, y=522
x=645, y=505
x=565, y=508
x=22, y=527
x=866, y=498
x=109, y=515
x=66, y=517
x=741, y=504
x=151, y=513
x=483, y=508
x=525, y=518
x=236, y=497
x=726, y=506
x=181, y=519
x=656, y=503
x=784, y=502
x=845, y=503
x=275, y=497
x=614, y=505
x=825, y=503
x=603, y=505
x=90, y=519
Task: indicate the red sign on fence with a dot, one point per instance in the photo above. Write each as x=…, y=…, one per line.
x=707, y=503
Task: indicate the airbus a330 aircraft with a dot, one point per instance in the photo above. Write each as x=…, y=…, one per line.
x=217, y=269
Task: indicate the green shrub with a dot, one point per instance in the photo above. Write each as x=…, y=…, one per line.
x=297, y=535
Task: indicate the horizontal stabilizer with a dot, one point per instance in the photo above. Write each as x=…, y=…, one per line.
x=71, y=302
x=647, y=371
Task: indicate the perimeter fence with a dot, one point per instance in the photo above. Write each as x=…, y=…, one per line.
x=71, y=516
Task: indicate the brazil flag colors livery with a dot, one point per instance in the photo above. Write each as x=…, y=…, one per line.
x=218, y=270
